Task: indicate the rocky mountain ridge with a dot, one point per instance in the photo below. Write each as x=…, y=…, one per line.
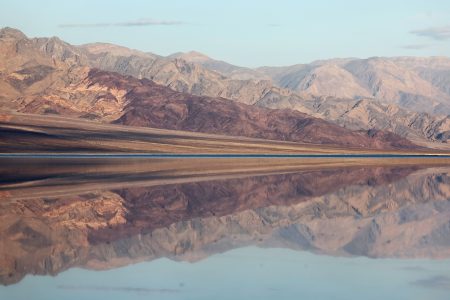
x=192, y=73
x=48, y=76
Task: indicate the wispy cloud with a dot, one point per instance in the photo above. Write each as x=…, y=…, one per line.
x=429, y=17
x=136, y=23
x=436, y=33
x=416, y=46
x=435, y=282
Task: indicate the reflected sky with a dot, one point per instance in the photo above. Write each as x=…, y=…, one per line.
x=248, y=273
x=159, y=229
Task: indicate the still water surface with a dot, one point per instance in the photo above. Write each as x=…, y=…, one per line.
x=165, y=230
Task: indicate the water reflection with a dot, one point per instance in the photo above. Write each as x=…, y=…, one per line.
x=56, y=218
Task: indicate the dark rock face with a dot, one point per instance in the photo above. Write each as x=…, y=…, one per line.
x=30, y=76
x=152, y=105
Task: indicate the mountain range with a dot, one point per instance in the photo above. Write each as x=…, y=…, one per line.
x=408, y=97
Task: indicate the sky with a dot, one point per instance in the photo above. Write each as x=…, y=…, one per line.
x=248, y=33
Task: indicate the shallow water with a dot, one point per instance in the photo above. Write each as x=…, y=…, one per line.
x=84, y=229
x=248, y=273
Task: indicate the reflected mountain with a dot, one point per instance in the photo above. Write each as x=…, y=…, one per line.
x=48, y=225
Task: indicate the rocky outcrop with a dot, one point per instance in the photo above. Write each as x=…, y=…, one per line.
x=366, y=114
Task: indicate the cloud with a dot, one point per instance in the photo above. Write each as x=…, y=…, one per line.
x=415, y=46
x=436, y=33
x=137, y=23
x=435, y=282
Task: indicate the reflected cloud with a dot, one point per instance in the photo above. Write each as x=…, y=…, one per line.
x=414, y=269
x=116, y=289
x=435, y=282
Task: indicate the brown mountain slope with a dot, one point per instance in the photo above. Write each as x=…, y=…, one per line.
x=179, y=72
x=43, y=62
x=152, y=105
x=327, y=78
x=365, y=114
x=58, y=86
x=109, y=96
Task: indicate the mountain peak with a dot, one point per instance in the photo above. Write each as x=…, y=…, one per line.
x=8, y=32
x=191, y=56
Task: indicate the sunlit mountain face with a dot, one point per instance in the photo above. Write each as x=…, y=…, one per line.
x=384, y=101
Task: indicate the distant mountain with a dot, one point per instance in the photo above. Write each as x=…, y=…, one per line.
x=366, y=114
x=224, y=68
x=419, y=84
x=101, y=49
x=329, y=78
x=182, y=72
x=200, y=75
x=433, y=69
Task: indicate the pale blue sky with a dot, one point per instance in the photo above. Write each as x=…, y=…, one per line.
x=248, y=33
